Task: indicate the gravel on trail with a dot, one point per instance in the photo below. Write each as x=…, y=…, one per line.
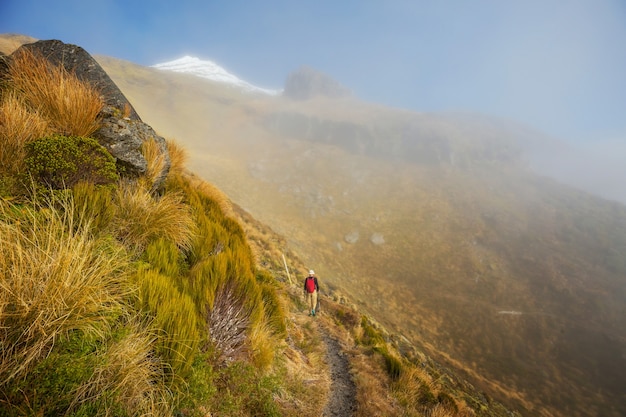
x=342, y=401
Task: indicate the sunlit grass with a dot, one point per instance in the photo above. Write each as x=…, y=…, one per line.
x=174, y=315
x=142, y=217
x=18, y=126
x=129, y=378
x=70, y=106
x=156, y=159
x=178, y=157
x=56, y=279
x=94, y=206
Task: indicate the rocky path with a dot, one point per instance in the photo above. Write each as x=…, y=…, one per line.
x=342, y=401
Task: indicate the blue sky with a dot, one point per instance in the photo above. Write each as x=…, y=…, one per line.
x=556, y=65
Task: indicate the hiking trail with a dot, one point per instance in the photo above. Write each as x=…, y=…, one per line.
x=342, y=399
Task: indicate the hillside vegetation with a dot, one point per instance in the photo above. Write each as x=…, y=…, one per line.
x=119, y=300
x=432, y=223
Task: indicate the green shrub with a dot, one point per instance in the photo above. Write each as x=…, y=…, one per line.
x=60, y=162
x=200, y=389
x=242, y=391
x=50, y=385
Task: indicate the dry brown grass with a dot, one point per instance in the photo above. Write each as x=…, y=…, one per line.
x=372, y=387
x=178, y=157
x=143, y=217
x=132, y=375
x=70, y=106
x=307, y=378
x=18, y=126
x=262, y=346
x=56, y=279
x=439, y=411
x=156, y=161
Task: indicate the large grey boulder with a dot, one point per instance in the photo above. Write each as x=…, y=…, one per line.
x=123, y=138
x=122, y=131
x=78, y=61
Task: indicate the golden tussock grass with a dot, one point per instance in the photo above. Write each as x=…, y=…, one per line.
x=56, y=279
x=142, y=217
x=70, y=106
x=94, y=206
x=156, y=160
x=372, y=388
x=262, y=346
x=175, y=316
x=440, y=411
x=213, y=193
x=18, y=126
x=307, y=375
x=178, y=157
x=131, y=375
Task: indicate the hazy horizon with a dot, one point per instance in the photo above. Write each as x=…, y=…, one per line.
x=555, y=67
x=558, y=68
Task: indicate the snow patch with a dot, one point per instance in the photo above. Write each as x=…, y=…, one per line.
x=211, y=71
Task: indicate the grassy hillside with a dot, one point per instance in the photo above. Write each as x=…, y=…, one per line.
x=118, y=301
x=431, y=223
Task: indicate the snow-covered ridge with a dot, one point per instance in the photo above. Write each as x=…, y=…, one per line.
x=211, y=71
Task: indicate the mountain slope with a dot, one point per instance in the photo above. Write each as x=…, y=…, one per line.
x=432, y=224
x=143, y=295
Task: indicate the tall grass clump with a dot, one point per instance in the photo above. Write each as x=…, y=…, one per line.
x=157, y=161
x=164, y=256
x=94, y=206
x=273, y=305
x=56, y=280
x=18, y=126
x=372, y=337
x=201, y=194
x=178, y=157
x=229, y=300
x=71, y=107
x=174, y=316
x=143, y=218
x=128, y=380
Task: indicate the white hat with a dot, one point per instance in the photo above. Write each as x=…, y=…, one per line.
x=311, y=272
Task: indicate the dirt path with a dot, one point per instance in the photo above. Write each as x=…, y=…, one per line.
x=342, y=401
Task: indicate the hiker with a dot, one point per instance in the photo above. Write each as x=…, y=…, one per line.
x=311, y=288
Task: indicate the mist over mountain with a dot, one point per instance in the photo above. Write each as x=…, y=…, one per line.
x=594, y=166
x=433, y=223
x=306, y=82
x=437, y=224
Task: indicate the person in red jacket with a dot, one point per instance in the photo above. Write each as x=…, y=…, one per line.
x=311, y=288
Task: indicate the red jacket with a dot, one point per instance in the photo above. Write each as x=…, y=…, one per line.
x=317, y=287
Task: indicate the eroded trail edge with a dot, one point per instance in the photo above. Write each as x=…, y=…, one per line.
x=342, y=400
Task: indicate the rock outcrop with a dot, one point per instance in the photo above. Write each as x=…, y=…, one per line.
x=306, y=83
x=122, y=131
